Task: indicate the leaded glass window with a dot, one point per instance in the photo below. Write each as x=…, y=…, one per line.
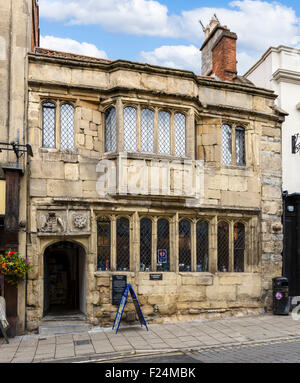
x=123, y=247
x=163, y=243
x=185, y=245
x=240, y=148
x=226, y=145
x=179, y=130
x=110, y=130
x=145, y=244
x=130, y=122
x=202, y=246
x=164, y=133
x=147, y=130
x=104, y=244
x=239, y=247
x=67, y=126
x=49, y=126
x=223, y=246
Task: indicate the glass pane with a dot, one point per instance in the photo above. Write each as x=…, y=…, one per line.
x=239, y=247
x=145, y=244
x=147, y=122
x=184, y=245
x=223, y=246
x=67, y=127
x=103, y=228
x=202, y=246
x=130, y=129
x=240, y=147
x=49, y=125
x=110, y=130
x=163, y=243
x=179, y=127
x=164, y=135
x=123, y=244
x=226, y=145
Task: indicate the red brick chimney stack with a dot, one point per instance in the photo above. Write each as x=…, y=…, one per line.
x=219, y=52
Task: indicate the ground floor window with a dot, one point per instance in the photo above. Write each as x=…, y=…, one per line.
x=172, y=243
x=123, y=255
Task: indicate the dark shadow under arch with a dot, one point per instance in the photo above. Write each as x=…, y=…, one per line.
x=64, y=279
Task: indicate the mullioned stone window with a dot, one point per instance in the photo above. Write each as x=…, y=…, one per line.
x=165, y=246
x=146, y=130
x=233, y=145
x=57, y=128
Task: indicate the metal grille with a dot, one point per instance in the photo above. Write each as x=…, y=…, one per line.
x=104, y=244
x=145, y=244
x=130, y=129
x=123, y=253
x=164, y=135
x=179, y=128
x=147, y=124
x=240, y=147
x=67, y=126
x=202, y=246
x=163, y=242
x=110, y=130
x=239, y=247
x=226, y=145
x=184, y=245
x=49, y=125
x=223, y=246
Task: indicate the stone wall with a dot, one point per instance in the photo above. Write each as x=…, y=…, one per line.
x=63, y=181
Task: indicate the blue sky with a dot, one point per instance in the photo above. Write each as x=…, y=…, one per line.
x=165, y=32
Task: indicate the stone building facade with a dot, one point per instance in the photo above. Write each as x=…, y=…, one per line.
x=141, y=170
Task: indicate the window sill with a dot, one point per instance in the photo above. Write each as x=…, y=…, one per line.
x=144, y=156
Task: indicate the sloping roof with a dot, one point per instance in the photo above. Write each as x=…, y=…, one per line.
x=50, y=52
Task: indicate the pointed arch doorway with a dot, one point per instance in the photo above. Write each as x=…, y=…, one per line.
x=64, y=279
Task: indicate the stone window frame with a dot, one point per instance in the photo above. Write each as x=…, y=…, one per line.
x=120, y=106
x=233, y=125
x=231, y=223
x=58, y=104
x=174, y=218
x=113, y=238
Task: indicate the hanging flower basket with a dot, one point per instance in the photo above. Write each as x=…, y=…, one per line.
x=13, y=267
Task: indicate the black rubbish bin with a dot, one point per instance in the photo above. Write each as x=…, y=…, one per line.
x=281, y=301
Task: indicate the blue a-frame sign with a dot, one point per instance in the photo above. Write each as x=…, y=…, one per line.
x=122, y=305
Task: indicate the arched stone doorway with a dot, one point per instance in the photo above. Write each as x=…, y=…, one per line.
x=64, y=279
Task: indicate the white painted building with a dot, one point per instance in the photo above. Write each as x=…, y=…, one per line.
x=279, y=70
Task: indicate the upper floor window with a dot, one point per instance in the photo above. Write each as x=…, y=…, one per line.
x=67, y=126
x=110, y=130
x=49, y=125
x=130, y=129
x=62, y=138
x=233, y=145
x=179, y=127
x=146, y=130
x=164, y=132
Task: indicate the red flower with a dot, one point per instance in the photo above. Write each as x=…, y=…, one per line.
x=10, y=254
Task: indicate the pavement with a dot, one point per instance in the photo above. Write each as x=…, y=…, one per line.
x=102, y=344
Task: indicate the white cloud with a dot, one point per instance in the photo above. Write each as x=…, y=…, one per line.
x=178, y=56
x=259, y=24
x=137, y=17
x=72, y=46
